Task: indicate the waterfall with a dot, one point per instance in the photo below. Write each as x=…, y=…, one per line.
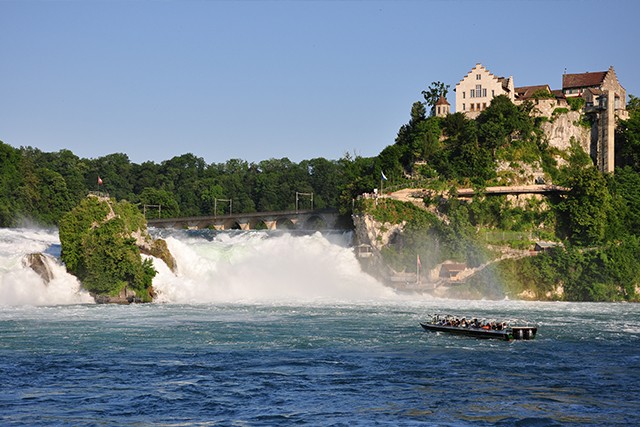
x=259, y=267
x=21, y=285
x=213, y=267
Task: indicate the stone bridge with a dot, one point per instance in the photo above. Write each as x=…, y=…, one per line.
x=288, y=220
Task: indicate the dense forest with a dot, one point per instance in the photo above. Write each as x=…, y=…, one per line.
x=38, y=187
x=597, y=222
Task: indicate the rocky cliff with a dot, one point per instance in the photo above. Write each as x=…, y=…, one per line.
x=102, y=243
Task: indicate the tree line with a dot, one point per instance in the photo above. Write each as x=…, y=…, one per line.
x=37, y=187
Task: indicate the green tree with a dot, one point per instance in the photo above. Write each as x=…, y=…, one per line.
x=502, y=124
x=115, y=172
x=433, y=94
x=627, y=138
x=586, y=207
x=10, y=181
x=326, y=178
x=98, y=247
x=463, y=157
x=182, y=174
x=634, y=104
x=159, y=203
x=147, y=175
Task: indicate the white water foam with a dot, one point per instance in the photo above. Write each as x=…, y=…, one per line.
x=257, y=268
x=250, y=267
x=20, y=285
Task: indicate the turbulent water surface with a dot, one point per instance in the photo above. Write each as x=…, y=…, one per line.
x=286, y=330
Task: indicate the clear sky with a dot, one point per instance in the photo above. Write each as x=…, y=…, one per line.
x=256, y=80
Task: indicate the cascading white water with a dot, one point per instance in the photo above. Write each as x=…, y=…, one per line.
x=257, y=267
x=249, y=267
x=20, y=285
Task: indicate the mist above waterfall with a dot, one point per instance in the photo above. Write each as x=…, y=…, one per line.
x=258, y=267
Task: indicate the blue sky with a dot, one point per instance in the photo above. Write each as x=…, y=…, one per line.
x=256, y=80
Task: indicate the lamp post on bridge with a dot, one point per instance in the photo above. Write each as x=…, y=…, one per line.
x=215, y=206
x=303, y=194
x=144, y=209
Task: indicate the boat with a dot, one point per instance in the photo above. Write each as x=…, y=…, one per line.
x=481, y=328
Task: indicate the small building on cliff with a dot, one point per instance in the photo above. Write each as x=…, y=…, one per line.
x=442, y=107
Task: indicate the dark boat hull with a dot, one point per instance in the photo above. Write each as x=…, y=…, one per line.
x=518, y=333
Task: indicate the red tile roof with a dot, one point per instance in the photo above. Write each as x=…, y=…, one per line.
x=442, y=101
x=583, y=80
x=526, y=92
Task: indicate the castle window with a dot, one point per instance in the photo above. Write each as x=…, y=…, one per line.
x=484, y=92
x=463, y=107
x=477, y=76
x=478, y=107
x=473, y=93
x=463, y=95
x=478, y=91
x=484, y=105
x=472, y=107
x=493, y=93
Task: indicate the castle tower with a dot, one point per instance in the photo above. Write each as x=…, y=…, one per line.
x=605, y=102
x=443, y=108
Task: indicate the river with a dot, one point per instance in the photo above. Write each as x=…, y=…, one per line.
x=265, y=329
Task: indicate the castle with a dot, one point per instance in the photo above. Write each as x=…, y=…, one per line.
x=604, y=102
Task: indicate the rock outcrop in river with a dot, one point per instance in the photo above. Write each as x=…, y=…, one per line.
x=102, y=244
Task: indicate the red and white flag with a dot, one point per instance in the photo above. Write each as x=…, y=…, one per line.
x=99, y=181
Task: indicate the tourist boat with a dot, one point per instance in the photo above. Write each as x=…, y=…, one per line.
x=504, y=330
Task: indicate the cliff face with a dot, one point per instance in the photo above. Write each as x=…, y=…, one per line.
x=372, y=234
x=565, y=127
x=559, y=132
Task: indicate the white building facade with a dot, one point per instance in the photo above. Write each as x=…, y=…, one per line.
x=478, y=87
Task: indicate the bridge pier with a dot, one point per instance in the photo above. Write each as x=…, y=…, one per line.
x=312, y=219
